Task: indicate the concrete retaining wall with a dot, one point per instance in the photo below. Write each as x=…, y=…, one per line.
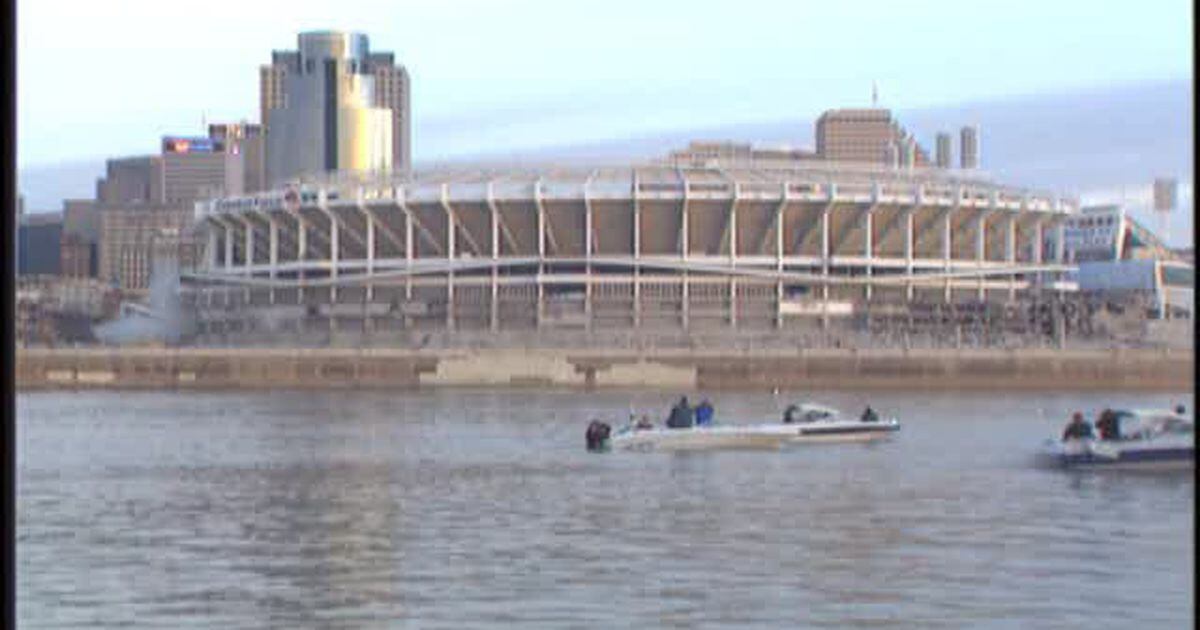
x=159, y=368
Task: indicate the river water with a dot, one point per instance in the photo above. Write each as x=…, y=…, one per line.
x=481, y=508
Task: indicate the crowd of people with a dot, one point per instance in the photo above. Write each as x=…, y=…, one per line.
x=684, y=416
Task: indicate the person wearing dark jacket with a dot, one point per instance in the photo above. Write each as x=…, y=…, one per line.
x=704, y=413
x=1108, y=425
x=1077, y=429
x=681, y=415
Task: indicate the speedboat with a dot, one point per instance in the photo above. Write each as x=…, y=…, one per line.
x=809, y=423
x=817, y=423
x=1144, y=439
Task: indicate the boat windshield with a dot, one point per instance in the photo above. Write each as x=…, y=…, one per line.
x=1151, y=424
x=813, y=413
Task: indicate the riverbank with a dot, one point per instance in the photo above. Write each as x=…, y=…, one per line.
x=261, y=368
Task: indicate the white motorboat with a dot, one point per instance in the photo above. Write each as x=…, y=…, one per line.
x=1142, y=439
x=818, y=423
x=808, y=423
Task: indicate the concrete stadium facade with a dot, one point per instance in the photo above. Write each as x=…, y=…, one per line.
x=746, y=245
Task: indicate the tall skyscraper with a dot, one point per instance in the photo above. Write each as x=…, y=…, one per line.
x=942, y=150
x=865, y=135
x=969, y=149
x=332, y=105
x=391, y=92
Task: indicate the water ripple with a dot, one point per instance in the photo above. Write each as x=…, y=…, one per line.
x=480, y=509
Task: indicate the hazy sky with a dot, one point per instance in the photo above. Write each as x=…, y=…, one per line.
x=109, y=78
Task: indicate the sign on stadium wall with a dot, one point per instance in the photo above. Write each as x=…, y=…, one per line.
x=809, y=307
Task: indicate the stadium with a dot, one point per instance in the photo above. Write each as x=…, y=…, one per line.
x=682, y=246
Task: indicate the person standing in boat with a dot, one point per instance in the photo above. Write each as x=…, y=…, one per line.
x=704, y=413
x=1108, y=425
x=681, y=415
x=1078, y=428
x=789, y=414
x=869, y=415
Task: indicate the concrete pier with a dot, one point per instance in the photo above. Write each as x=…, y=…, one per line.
x=249, y=369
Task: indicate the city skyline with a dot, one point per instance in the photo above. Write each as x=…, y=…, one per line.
x=483, y=81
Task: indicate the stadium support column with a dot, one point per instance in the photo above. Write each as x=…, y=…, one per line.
x=1010, y=252
x=212, y=251
x=909, y=238
x=248, y=249
x=227, y=268
x=869, y=237
x=779, y=222
x=494, y=321
x=334, y=257
x=451, y=256
x=272, y=254
x=1060, y=241
x=541, y=252
x=637, y=252
x=228, y=249
x=1036, y=250
x=247, y=245
x=980, y=250
x=587, y=251
x=370, y=252
x=409, y=254
x=216, y=234
x=301, y=252
x=685, y=300
x=826, y=254
x=1060, y=249
x=733, y=296
x=947, y=241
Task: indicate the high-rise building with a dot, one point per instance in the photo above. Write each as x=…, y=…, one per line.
x=188, y=169
x=332, y=106
x=17, y=232
x=908, y=158
x=864, y=135
x=392, y=92
x=1166, y=194
x=79, y=253
x=39, y=236
x=271, y=95
x=190, y=175
x=131, y=180
x=246, y=139
x=969, y=149
x=146, y=203
x=942, y=150
x=132, y=237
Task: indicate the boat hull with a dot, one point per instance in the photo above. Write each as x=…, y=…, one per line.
x=845, y=432
x=704, y=438
x=1120, y=457
x=762, y=436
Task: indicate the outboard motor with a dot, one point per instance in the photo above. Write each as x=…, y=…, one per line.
x=597, y=435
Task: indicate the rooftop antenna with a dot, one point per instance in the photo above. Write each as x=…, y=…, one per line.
x=874, y=94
